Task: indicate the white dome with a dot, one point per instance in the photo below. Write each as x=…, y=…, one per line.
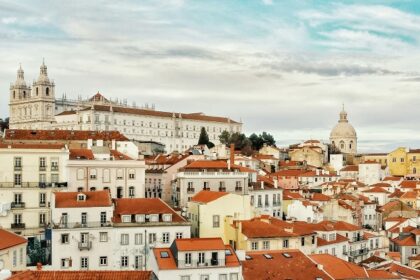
x=343, y=129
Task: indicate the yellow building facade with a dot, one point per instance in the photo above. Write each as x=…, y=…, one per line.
x=404, y=162
x=207, y=211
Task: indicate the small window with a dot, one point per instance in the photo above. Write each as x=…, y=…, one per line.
x=103, y=236
x=140, y=218
x=81, y=197
x=126, y=218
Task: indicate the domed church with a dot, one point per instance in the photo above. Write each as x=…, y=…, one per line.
x=343, y=136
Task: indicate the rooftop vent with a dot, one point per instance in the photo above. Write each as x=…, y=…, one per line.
x=248, y=258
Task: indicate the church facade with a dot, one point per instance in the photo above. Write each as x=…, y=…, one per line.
x=343, y=136
x=37, y=108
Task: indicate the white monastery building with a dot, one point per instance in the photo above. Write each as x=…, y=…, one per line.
x=37, y=108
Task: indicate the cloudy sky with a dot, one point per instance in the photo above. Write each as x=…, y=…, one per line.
x=279, y=66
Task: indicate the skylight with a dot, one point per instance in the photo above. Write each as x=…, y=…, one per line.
x=268, y=257
x=228, y=253
x=164, y=255
x=287, y=255
x=248, y=257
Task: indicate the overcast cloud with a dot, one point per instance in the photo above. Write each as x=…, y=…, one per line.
x=279, y=66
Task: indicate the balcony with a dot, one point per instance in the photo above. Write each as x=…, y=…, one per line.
x=206, y=188
x=85, y=245
x=54, y=167
x=18, y=205
x=17, y=226
x=238, y=189
x=18, y=167
x=82, y=225
x=276, y=203
x=222, y=189
x=356, y=253
x=42, y=204
x=42, y=168
x=196, y=263
x=190, y=190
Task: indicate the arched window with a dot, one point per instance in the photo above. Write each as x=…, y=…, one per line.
x=351, y=144
x=414, y=170
x=120, y=192
x=36, y=91
x=92, y=189
x=79, y=189
x=47, y=91
x=14, y=94
x=341, y=144
x=24, y=94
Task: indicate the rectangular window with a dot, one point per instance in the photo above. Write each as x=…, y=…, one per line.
x=17, y=218
x=187, y=258
x=286, y=243
x=138, y=262
x=152, y=238
x=126, y=218
x=179, y=235
x=103, y=237
x=223, y=277
x=254, y=246
x=216, y=221
x=302, y=241
x=185, y=277
x=42, y=197
x=83, y=219
x=234, y=276
x=18, y=163
x=18, y=179
x=42, y=219
x=103, y=261
x=42, y=163
x=21, y=256
x=14, y=258
x=103, y=218
x=124, y=261
x=124, y=239
x=266, y=245
x=201, y=258
x=165, y=237
x=84, y=263
x=54, y=178
x=138, y=239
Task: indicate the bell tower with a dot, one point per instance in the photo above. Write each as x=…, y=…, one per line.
x=43, y=97
x=20, y=93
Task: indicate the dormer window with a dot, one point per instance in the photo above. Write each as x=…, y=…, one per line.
x=140, y=218
x=81, y=197
x=126, y=218
x=154, y=218
x=167, y=217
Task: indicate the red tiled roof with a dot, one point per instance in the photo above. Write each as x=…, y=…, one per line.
x=119, y=156
x=262, y=157
x=93, y=199
x=207, y=196
x=409, y=195
x=81, y=154
x=381, y=274
x=258, y=229
x=208, y=164
x=392, y=178
x=60, y=135
x=283, y=264
x=376, y=190
x=170, y=159
x=146, y=206
x=336, y=225
x=348, y=168
x=320, y=197
x=31, y=146
x=339, y=238
x=407, y=241
x=288, y=173
x=338, y=268
x=199, y=244
x=9, y=239
x=98, y=97
x=404, y=271
x=137, y=111
x=406, y=184
x=288, y=195
x=82, y=275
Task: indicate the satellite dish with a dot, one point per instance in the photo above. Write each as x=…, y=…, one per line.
x=183, y=214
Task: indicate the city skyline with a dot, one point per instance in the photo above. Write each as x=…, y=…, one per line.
x=287, y=71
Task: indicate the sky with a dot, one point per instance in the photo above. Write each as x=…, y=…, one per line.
x=281, y=66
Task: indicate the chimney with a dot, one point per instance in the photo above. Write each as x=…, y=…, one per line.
x=320, y=266
x=113, y=145
x=232, y=154
x=262, y=185
x=276, y=183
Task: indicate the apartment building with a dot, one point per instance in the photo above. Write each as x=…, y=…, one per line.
x=196, y=258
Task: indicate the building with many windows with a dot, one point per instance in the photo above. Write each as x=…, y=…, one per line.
x=196, y=258
x=37, y=108
x=106, y=235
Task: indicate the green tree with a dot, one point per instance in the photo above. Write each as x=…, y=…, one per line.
x=268, y=139
x=224, y=138
x=37, y=253
x=204, y=137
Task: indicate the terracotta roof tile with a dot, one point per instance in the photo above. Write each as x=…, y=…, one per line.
x=207, y=196
x=338, y=268
x=93, y=199
x=406, y=184
x=352, y=168
x=320, y=197
x=146, y=206
x=82, y=275
x=32, y=146
x=407, y=241
x=339, y=239
x=9, y=239
x=288, y=195
x=283, y=264
x=376, y=190
x=145, y=112
x=81, y=154
x=404, y=271
x=199, y=244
